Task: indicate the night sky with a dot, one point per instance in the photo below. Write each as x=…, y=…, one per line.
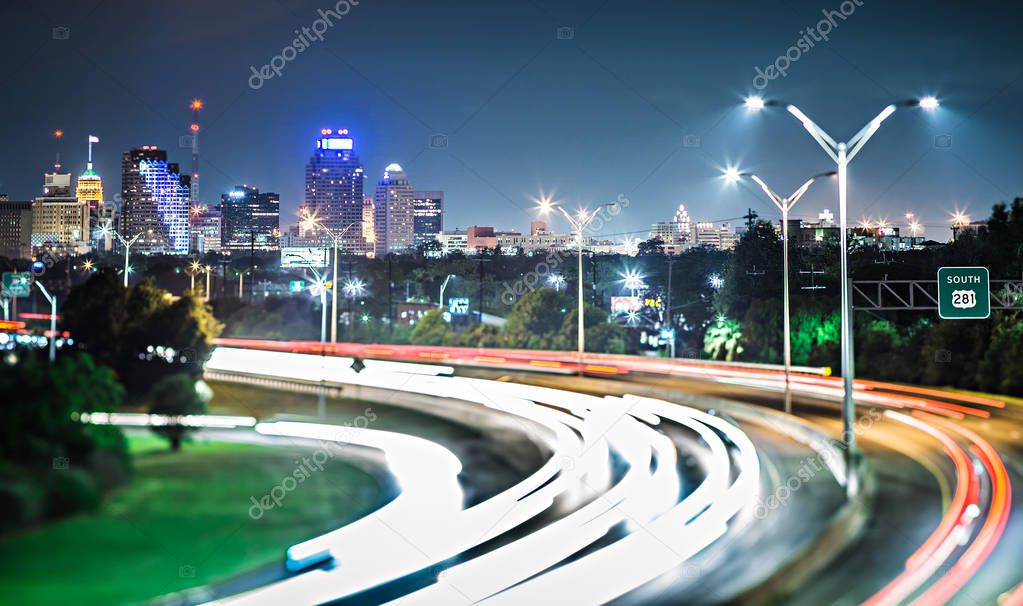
x=603, y=109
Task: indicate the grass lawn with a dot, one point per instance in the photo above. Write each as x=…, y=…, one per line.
x=262, y=403
x=182, y=521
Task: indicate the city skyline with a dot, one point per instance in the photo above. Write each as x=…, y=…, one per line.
x=670, y=134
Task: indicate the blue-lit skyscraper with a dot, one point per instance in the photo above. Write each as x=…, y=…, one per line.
x=155, y=202
x=333, y=187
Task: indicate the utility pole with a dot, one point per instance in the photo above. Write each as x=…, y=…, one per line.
x=668, y=316
x=751, y=216
x=390, y=284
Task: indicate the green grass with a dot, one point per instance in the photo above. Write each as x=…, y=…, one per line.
x=182, y=521
x=262, y=403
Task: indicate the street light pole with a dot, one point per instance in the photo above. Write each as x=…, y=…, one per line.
x=842, y=153
x=109, y=229
x=312, y=222
x=53, y=320
x=443, y=285
x=584, y=219
x=785, y=205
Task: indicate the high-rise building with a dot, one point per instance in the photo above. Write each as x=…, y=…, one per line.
x=15, y=228
x=428, y=216
x=369, y=222
x=393, y=214
x=89, y=190
x=251, y=219
x=334, y=186
x=711, y=235
x=676, y=231
x=60, y=223
x=206, y=230
x=155, y=202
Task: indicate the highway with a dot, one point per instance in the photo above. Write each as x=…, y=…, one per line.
x=649, y=497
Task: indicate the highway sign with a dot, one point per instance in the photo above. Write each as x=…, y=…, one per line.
x=296, y=286
x=304, y=256
x=17, y=284
x=964, y=293
x=458, y=306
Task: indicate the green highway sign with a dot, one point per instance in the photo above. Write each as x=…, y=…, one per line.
x=17, y=284
x=964, y=293
x=296, y=285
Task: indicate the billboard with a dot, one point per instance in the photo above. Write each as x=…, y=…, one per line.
x=304, y=256
x=624, y=305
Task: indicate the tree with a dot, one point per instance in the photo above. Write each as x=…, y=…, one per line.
x=653, y=246
x=431, y=329
x=176, y=395
x=601, y=336
x=723, y=340
x=51, y=463
x=755, y=272
x=118, y=326
x=537, y=319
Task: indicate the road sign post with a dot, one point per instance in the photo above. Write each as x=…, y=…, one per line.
x=964, y=293
x=17, y=284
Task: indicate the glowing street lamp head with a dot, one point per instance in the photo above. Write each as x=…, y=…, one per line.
x=195, y=266
x=715, y=281
x=633, y=280
x=354, y=288
x=754, y=103
x=960, y=219
x=196, y=104
x=544, y=204
x=930, y=103
x=732, y=174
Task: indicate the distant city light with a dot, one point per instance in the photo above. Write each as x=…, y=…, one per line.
x=715, y=281
x=556, y=281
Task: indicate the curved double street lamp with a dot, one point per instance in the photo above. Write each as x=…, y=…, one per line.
x=107, y=230
x=784, y=204
x=842, y=153
x=579, y=222
x=309, y=221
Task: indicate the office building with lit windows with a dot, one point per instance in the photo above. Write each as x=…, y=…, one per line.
x=251, y=219
x=60, y=223
x=393, y=216
x=428, y=216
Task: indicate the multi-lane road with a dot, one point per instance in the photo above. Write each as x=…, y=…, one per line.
x=654, y=490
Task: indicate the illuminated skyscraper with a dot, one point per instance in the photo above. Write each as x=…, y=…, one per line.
x=334, y=185
x=90, y=186
x=393, y=215
x=155, y=202
x=428, y=215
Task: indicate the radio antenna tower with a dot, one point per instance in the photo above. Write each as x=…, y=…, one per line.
x=196, y=105
x=59, y=134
